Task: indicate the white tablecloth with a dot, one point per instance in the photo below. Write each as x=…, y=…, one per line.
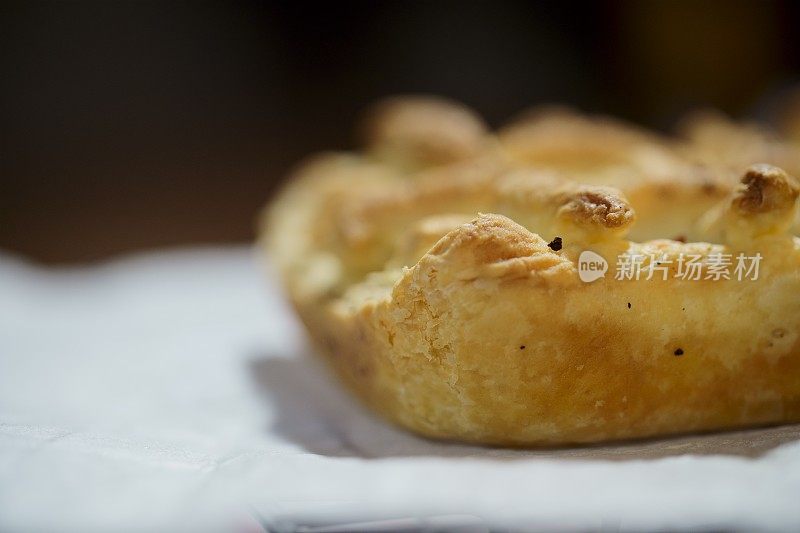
x=175, y=391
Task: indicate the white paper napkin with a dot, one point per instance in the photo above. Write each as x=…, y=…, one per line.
x=175, y=391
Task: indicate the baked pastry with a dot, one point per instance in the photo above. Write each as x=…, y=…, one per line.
x=566, y=280
x=725, y=146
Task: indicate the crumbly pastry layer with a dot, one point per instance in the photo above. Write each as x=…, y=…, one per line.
x=439, y=272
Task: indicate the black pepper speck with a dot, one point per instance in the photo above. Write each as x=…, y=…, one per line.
x=679, y=351
x=555, y=244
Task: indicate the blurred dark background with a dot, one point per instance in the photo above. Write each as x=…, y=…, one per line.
x=130, y=125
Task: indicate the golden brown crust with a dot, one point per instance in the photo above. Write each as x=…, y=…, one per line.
x=727, y=146
x=422, y=131
x=597, y=206
x=443, y=282
x=765, y=189
x=764, y=203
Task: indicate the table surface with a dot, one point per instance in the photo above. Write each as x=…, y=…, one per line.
x=176, y=390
